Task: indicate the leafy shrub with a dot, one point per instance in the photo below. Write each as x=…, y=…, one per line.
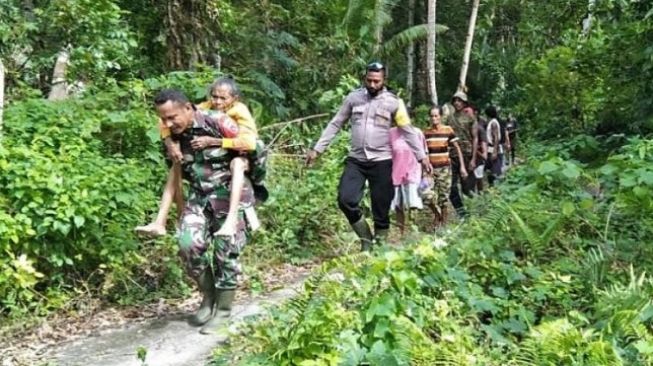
x=526, y=282
x=67, y=205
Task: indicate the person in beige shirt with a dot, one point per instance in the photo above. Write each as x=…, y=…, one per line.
x=371, y=112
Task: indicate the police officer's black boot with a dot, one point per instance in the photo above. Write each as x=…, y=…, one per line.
x=207, y=287
x=222, y=311
x=362, y=229
x=381, y=236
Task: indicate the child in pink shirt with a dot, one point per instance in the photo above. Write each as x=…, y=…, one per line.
x=406, y=177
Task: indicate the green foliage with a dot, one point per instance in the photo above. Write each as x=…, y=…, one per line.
x=525, y=283
x=94, y=33
x=141, y=354
x=77, y=177
x=589, y=78
x=295, y=219
x=413, y=34
x=65, y=201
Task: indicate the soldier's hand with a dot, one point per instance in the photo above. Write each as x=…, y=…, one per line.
x=311, y=156
x=174, y=152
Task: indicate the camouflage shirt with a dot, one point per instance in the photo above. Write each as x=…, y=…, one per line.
x=463, y=124
x=206, y=169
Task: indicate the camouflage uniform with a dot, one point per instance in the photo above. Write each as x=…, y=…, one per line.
x=258, y=161
x=208, y=204
x=439, y=194
x=463, y=124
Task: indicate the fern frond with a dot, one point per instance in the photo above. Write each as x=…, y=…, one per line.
x=531, y=237
x=267, y=86
x=551, y=230
x=499, y=215
x=596, y=266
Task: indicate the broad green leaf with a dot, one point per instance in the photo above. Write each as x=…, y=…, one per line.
x=571, y=171
x=568, y=208
x=646, y=177
x=547, y=167
x=382, y=327
x=79, y=221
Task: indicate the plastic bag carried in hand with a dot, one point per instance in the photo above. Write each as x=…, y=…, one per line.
x=425, y=188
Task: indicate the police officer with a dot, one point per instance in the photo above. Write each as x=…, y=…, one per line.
x=371, y=111
x=206, y=167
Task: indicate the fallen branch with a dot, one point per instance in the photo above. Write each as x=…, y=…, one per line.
x=294, y=121
x=286, y=124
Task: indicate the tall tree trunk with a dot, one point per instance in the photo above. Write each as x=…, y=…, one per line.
x=587, y=22
x=468, y=46
x=59, y=89
x=410, y=57
x=191, y=28
x=378, y=28
x=421, y=94
x=2, y=95
x=430, y=51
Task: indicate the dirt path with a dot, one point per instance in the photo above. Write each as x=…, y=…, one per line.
x=117, y=334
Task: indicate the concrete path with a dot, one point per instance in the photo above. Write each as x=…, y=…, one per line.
x=168, y=341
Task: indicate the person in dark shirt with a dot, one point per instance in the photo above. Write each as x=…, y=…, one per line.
x=511, y=141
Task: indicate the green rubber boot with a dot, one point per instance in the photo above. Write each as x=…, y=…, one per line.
x=207, y=287
x=362, y=229
x=223, y=303
x=381, y=236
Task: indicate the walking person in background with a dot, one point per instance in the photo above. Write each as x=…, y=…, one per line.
x=511, y=128
x=439, y=139
x=481, y=152
x=495, y=146
x=406, y=177
x=463, y=123
x=372, y=111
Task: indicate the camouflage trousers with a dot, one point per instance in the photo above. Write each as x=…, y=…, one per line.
x=439, y=195
x=200, y=249
x=258, y=161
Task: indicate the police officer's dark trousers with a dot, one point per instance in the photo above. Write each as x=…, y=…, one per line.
x=351, y=190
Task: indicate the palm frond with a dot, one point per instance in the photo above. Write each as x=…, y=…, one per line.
x=383, y=13
x=368, y=14
x=413, y=34
x=353, y=12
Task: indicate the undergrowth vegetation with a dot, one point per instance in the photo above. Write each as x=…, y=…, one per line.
x=79, y=175
x=553, y=269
